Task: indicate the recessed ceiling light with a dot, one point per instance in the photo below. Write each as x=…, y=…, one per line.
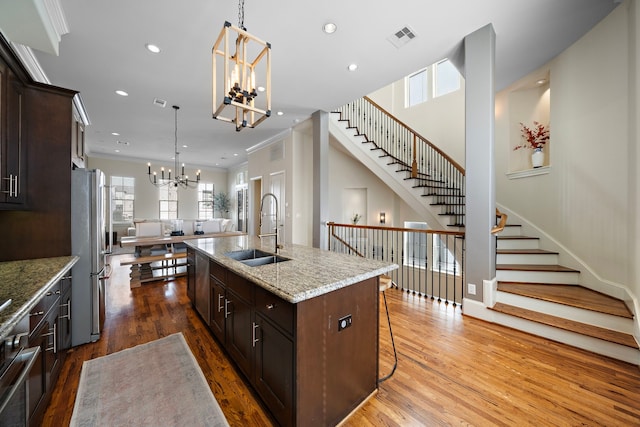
x=261, y=89
x=352, y=67
x=115, y=134
x=235, y=154
x=152, y=48
x=541, y=81
x=116, y=150
x=280, y=113
x=329, y=28
x=185, y=146
x=122, y=93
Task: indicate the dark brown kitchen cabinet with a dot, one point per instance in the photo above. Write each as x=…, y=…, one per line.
x=13, y=157
x=306, y=368
x=274, y=355
x=64, y=319
x=77, y=141
x=191, y=274
x=219, y=308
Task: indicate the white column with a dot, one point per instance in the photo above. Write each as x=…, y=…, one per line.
x=479, y=51
x=320, y=120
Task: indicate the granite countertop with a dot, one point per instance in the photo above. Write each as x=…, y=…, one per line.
x=25, y=282
x=310, y=272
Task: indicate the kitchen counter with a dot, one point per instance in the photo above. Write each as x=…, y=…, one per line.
x=26, y=282
x=309, y=273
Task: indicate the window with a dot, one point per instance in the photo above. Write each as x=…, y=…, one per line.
x=122, y=196
x=168, y=196
x=446, y=78
x=415, y=245
x=443, y=258
x=417, y=88
x=205, y=200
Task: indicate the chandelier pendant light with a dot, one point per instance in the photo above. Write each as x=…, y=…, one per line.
x=241, y=72
x=179, y=179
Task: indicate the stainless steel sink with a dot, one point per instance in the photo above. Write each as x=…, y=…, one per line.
x=248, y=254
x=271, y=259
x=255, y=257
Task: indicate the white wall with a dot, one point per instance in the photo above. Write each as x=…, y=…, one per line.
x=584, y=202
x=146, y=204
x=440, y=120
x=589, y=200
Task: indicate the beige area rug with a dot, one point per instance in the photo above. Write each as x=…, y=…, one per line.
x=153, y=384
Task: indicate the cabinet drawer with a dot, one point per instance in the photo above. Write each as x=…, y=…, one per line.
x=275, y=309
x=240, y=286
x=218, y=271
x=38, y=313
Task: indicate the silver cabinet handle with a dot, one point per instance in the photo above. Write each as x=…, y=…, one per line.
x=254, y=338
x=220, y=298
x=68, y=306
x=55, y=340
x=271, y=306
x=37, y=313
x=226, y=310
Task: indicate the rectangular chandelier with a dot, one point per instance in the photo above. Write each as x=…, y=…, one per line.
x=241, y=78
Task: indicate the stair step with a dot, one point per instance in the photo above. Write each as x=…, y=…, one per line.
x=517, y=242
x=526, y=256
x=537, y=273
x=571, y=295
x=554, y=268
x=568, y=325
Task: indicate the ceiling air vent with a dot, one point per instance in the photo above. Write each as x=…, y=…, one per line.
x=402, y=36
x=160, y=102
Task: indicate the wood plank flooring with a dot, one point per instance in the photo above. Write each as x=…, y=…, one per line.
x=452, y=369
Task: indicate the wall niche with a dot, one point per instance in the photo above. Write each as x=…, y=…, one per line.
x=528, y=103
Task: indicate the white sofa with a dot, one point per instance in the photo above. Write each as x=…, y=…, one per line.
x=157, y=227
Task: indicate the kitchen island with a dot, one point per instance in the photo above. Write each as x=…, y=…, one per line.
x=302, y=326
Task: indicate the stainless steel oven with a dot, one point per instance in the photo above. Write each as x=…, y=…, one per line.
x=16, y=362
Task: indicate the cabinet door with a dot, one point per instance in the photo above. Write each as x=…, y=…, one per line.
x=51, y=351
x=202, y=290
x=216, y=323
x=191, y=275
x=274, y=370
x=239, y=332
x=64, y=321
x=14, y=145
x=37, y=376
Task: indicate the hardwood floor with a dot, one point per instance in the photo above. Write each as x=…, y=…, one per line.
x=452, y=369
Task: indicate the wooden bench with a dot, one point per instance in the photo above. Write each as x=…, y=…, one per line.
x=166, y=267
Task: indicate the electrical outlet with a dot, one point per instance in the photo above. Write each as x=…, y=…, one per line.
x=472, y=289
x=344, y=322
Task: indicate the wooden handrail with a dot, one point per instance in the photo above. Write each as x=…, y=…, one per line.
x=425, y=140
x=413, y=230
x=503, y=221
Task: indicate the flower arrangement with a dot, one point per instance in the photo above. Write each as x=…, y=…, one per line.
x=535, y=137
x=356, y=218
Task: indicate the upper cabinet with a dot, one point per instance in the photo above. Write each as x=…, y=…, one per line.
x=13, y=155
x=77, y=140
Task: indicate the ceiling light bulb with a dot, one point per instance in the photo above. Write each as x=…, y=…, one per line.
x=280, y=113
x=352, y=67
x=152, y=48
x=541, y=81
x=261, y=89
x=115, y=134
x=329, y=28
x=122, y=93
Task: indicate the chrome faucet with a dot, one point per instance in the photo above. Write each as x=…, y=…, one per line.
x=277, y=222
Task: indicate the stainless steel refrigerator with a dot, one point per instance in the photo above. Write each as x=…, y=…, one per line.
x=88, y=242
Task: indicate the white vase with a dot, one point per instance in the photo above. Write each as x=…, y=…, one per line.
x=537, y=157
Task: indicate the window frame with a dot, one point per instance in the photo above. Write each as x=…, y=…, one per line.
x=129, y=190
x=170, y=200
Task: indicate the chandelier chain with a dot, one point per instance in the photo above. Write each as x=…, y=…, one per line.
x=241, y=15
